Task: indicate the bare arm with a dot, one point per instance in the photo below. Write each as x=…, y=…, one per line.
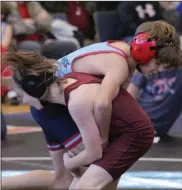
x=116, y=73
x=7, y=36
x=41, y=179
x=81, y=109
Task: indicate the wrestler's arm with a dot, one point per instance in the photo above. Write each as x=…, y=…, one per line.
x=81, y=111
x=116, y=74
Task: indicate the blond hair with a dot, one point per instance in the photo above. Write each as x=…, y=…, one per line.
x=160, y=30
x=30, y=63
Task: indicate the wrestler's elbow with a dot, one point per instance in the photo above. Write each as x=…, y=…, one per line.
x=98, y=154
x=101, y=105
x=95, y=155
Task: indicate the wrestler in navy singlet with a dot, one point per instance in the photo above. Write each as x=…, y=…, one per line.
x=131, y=132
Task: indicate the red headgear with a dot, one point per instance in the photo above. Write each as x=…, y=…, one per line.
x=143, y=48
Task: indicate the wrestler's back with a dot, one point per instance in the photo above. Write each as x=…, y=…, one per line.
x=95, y=59
x=88, y=59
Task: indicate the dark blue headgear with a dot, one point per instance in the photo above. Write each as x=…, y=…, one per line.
x=34, y=85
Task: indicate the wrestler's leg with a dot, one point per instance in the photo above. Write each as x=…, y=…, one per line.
x=94, y=177
x=38, y=179
x=33, y=180
x=111, y=186
x=117, y=158
x=77, y=177
x=53, y=118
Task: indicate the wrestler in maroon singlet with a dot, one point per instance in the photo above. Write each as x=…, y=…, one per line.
x=131, y=131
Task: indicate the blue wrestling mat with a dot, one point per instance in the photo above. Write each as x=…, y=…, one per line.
x=137, y=180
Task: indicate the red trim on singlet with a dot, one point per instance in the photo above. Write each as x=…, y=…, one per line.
x=112, y=41
x=80, y=77
x=67, y=141
x=123, y=54
x=74, y=144
x=53, y=148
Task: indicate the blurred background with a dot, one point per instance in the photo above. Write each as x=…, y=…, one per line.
x=56, y=28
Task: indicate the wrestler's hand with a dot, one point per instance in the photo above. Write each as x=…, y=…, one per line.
x=68, y=166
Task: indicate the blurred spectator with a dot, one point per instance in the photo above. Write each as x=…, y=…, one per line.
x=3, y=127
x=54, y=6
x=34, y=28
x=29, y=20
x=79, y=14
x=55, y=49
x=6, y=29
x=6, y=73
x=160, y=97
x=106, y=5
x=179, y=9
x=131, y=14
x=64, y=31
x=80, y=17
x=170, y=13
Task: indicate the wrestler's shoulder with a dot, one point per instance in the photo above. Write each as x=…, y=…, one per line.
x=120, y=44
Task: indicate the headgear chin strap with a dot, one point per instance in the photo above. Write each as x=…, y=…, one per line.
x=144, y=48
x=34, y=85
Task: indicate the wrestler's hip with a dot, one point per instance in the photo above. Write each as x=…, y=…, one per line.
x=124, y=150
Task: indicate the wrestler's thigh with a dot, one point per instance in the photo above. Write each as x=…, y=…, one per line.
x=122, y=153
x=94, y=177
x=77, y=178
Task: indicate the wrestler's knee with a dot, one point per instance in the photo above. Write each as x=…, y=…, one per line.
x=147, y=138
x=89, y=185
x=62, y=182
x=81, y=185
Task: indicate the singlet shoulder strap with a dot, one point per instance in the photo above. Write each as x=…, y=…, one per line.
x=81, y=78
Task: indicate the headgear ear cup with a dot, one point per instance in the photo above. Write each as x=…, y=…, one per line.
x=34, y=85
x=143, y=48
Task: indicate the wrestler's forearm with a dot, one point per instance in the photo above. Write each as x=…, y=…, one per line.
x=109, y=86
x=38, y=179
x=82, y=159
x=103, y=106
x=103, y=118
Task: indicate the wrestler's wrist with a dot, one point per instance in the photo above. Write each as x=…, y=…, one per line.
x=75, y=173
